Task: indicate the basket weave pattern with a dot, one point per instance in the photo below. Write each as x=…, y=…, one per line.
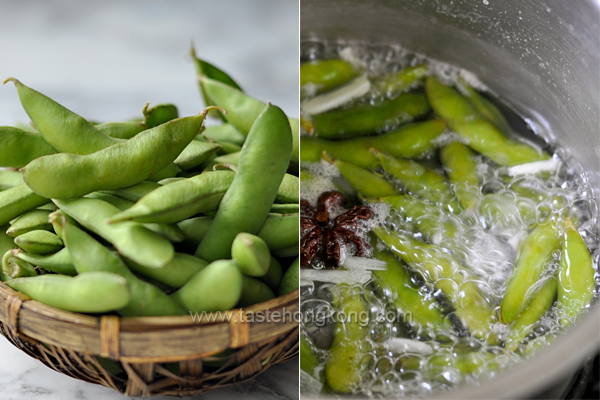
x=147, y=348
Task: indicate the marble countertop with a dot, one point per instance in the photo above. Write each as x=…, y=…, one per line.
x=105, y=60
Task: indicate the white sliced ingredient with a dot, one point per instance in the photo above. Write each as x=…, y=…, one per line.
x=333, y=99
x=310, y=385
x=401, y=345
x=363, y=263
x=335, y=275
x=535, y=167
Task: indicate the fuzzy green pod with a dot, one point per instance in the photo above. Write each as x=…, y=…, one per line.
x=159, y=114
x=66, y=175
x=59, y=262
x=364, y=181
x=91, y=292
x=13, y=267
x=291, y=279
x=273, y=276
x=259, y=174
x=414, y=140
x=217, y=287
x=174, y=274
x=10, y=178
x=18, y=200
x=254, y=292
x=324, y=75
x=461, y=167
x=251, y=254
x=39, y=242
x=18, y=148
x=195, y=154
x=122, y=130
x=535, y=255
x=30, y=221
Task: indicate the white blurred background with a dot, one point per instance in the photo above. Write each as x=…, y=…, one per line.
x=106, y=59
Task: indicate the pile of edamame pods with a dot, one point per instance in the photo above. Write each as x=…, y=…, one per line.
x=154, y=216
x=487, y=243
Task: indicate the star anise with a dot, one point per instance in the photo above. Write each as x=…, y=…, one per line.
x=323, y=237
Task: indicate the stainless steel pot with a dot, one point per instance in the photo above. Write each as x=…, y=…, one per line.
x=537, y=55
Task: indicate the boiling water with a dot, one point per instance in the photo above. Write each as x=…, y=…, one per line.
x=486, y=243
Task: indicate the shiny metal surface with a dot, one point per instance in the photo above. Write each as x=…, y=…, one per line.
x=540, y=57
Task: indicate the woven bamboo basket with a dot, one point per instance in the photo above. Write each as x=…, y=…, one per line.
x=173, y=356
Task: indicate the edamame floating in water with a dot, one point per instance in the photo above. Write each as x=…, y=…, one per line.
x=436, y=241
x=153, y=216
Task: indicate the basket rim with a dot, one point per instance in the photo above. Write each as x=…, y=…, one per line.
x=147, y=339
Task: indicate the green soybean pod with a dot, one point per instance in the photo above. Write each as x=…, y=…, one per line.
x=414, y=140
x=227, y=159
x=91, y=292
x=293, y=208
x=61, y=128
x=535, y=254
x=254, y=292
x=195, y=154
x=18, y=148
x=194, y=230
x=59, y=262
x=217, y=287
x=65, y=175
x=525, y=321
x=243, y=109
x=131, y=239
x=575, y=275
x=485, y=107
x=175, y=274
x=39, y=242
x=365, y=119
x=403, y=79
x=170, y=171
x=180, y=200
x=224, y=133
x=291, y=279
x=364, y=181
x=10, y=178
x=425, y=312
x=273, y=276
x=323, y=75
x=159, y=114
x=18, y=200
x=90, y=256
x=6, y=242
x=460, y=165
x=122, y=130
x=343, y=372
x=259, y=175
x=251, y=254
x=13, y=267
x=309, y=359
x=448, y=275
x=30, y=221
x=135, y=192
x=280, y=231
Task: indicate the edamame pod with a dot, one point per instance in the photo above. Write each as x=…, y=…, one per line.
x=18, y=200
x=425, y=312
x=10, y=178
x=39, y=242
x=91, y=292
x=273, y=276
x=135, y=192
x=280, y=231
x=485, y=107
x=6, y=242
x=131, y=239
x=122, y=130
x=575, y=275
x=324, y=75
x=18, y=148
x=89, y=256
x=365, y=182
x=60, y=127
x=479, y=133
x=227, y=159
x=309, y=359
x=448, y=275
x=217, y=287
x=195, y=154
x=539, y=304
x=254, y=292
x=159, y=114
x=420, y=181
x=251, y=254
x=408, y=141
x=258, y=175
x=243, y=109
x=30, y=221
x=59, y=262
x=285, y=209
x=460, y=165
x=291, y=279
x=224, y=133
x=114, y=167
x=366, y=119
x=170, y=171
x=13, y=267
x=175, y=274
x=404, y=79
x=535, y=254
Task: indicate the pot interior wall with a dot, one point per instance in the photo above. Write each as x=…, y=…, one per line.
x=542, y=59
